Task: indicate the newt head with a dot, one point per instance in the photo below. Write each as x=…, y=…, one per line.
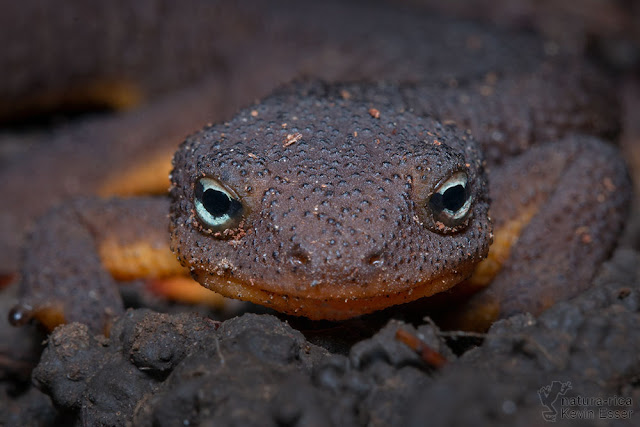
x=315, y=207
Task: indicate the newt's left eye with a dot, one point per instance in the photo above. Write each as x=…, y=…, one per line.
x=450, y=203
x=218, y=208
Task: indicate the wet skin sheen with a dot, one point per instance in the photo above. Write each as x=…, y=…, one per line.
x=470, y=177
x=329, y=204
x=326, y=210
x=335, y=201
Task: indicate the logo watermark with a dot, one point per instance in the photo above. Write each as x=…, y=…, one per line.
x=577, y=407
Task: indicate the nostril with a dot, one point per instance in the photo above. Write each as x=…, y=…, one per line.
x=375, y=259
x=298, y=256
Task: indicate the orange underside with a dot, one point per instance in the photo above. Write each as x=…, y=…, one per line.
x=150, y=177
x=113, y=94
x=50, y=317
x=503, y=239
x=139, y=260
x=323, y=308
x=478, y=314
x=186, y=290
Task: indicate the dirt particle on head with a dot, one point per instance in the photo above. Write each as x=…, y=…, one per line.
x=608, y=184
x=374, y=113
x=291, y=139
x=585, y=236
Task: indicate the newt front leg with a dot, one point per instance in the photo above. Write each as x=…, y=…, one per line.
x=557, y=211
x=76, y=252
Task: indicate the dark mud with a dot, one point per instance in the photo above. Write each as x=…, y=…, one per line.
x=186, y=369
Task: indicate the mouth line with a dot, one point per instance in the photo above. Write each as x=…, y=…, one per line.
x=317, y=304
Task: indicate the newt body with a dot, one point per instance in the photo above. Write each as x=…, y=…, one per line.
x=331, y=201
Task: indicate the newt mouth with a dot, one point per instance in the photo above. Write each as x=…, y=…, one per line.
x=320, y=305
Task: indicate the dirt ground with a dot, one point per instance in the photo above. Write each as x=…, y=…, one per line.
x=167, y=365
x=256, y=369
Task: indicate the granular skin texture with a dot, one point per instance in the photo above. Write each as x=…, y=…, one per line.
x=252, y=48
x=566, y=194
x=337, y=219
x=317, y=168
x=64, y=256
x=337, y=222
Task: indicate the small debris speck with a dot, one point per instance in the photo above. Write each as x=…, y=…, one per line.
x=291, y=139
x=345, y=94
x=608, y=184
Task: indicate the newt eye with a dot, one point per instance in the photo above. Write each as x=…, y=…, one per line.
x=217, y=207
x=450, y=203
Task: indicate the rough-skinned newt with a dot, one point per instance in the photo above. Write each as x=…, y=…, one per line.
x=334, y=201
x=200, y=61
x=327, y=207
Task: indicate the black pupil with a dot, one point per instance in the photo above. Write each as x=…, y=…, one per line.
x=216, y=202
x=454, y=198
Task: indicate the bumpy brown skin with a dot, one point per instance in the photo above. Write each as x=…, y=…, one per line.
x=337, y=222
x=228, y=54
x=504, y=88
x=335, y=181
x=573, y=196
x=66, y=275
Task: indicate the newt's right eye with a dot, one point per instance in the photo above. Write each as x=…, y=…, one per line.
x=450, y=203
x=217, y=207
